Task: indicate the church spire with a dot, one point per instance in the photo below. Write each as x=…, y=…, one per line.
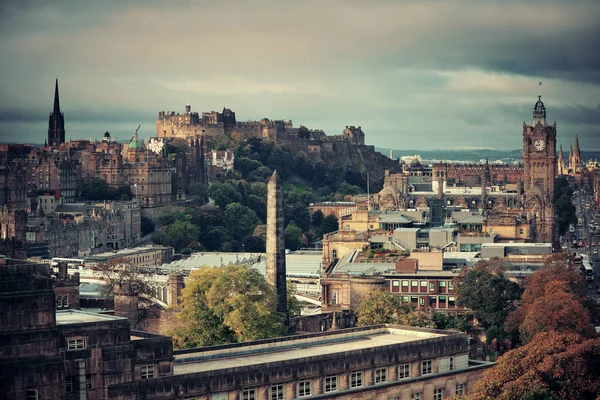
x=56, y=100
x=56, y=122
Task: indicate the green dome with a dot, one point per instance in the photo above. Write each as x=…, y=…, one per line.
x=136, y=144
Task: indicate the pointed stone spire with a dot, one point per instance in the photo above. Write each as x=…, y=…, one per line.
x=56, y=100
x=561, y=162
x=577, y=164
x=39, y=212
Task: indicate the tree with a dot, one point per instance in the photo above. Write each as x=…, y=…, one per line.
x=317, y=218
x=566, y=365
x=240, y=221
x=330, y=224
x=181, y=234
x=303, y=132
x=554, y=300
x=486, y=291
x=225, y=305
x=253, y=244
x=558, y=310
x=121, y=273
x=97, y=189
x=147, y=226
x=245, y=165
x=388, y=308
x=293, y=236
x=223, y=194
x=566, y=214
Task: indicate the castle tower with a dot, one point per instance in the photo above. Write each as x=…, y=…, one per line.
x=539, y=164
x=275, y=256
x=56, y=122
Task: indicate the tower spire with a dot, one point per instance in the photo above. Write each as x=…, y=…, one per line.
x=56, y=99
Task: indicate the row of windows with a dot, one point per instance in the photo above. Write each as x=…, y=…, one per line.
x=422, y=286
x=356, y=379
x=69, y=383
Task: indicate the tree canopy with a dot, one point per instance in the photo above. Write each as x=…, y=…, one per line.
x=554, y=300
x=485, y=290
x=566, y=213
x=564, y=366
x=388, y=308
x=226, y=305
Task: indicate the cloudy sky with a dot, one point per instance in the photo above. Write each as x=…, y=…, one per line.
x=419, y=74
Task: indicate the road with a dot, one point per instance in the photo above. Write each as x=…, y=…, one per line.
x=588, y=216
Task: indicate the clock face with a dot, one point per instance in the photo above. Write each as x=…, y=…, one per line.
x=539, y=145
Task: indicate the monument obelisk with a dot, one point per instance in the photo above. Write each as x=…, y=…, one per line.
x=275, y=263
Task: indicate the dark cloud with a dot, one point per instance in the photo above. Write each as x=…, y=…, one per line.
x=421, y=74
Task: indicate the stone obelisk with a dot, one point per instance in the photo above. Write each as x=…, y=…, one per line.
x=275, y=269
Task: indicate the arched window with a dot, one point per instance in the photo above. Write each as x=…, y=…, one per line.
x=164, y=296
x=59, y=302
x=66, y=301
x=334, y=253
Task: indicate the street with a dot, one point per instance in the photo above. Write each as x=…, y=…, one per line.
x=586, y=231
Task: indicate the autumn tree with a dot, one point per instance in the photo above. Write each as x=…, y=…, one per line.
x=554, y=300
x=485, y=290
x=226, y=305
x=558, y=310
x=118, y=272
x=388, y=308
x=567, y=366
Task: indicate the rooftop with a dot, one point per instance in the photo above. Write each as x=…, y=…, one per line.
x=68, y=317
x=300, y=347
x=124, y=252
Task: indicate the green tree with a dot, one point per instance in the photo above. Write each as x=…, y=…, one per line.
x=223, y=194
x=388, y=308
x=172, y=215
x=147, y=226
x=240, y=221
x=225, y=305
x=97, y=189
x=253, y=244
x=180, y=234
x=261, y=174
x=317, y=218
x=293, y=236
x=330, y=224
x=566, y=214
x=245, y=165
x=485, y=290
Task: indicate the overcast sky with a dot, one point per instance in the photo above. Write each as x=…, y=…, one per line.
x=416, y=74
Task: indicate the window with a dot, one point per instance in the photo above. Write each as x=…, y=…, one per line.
x=451, y=364
x=380, y=375
x=395, y=283
x=520, y=231
x=147, y=371
x=76, y=344
x=451, y=302
x=219, y=396
x=69, y=385
x=89, y=382
x=431, y=286
x=450, y=286
x=426, y=367
x=424, y=286
x=334, y=253
x=422, y=301
x=31, y=394
x=249, y=394
x=460, y=389
x=416, y=396
x=403, y=371
x=414, y=284
x=405, y=286
x=334, y=297
x=438, y=394
x=303, y=388
x=356, y=379
x=66, y=301
x=277, y=392
x=330, y=383
x=59, y=301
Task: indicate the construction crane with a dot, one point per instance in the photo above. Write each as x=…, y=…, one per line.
x=138, y=128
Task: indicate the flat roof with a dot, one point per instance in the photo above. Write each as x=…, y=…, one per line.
x=516, y=245
x=67, y=317
x=296, y=348
x=125, y=252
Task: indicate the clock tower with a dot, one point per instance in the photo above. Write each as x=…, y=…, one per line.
x=539, y=165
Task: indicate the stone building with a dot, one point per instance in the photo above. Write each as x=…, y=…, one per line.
x=359, y=363
x=338, y=208
x=354, y=134
x=219, y=163
x=146, y=256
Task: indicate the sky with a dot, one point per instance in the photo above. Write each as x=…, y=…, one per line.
x=414, y=74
